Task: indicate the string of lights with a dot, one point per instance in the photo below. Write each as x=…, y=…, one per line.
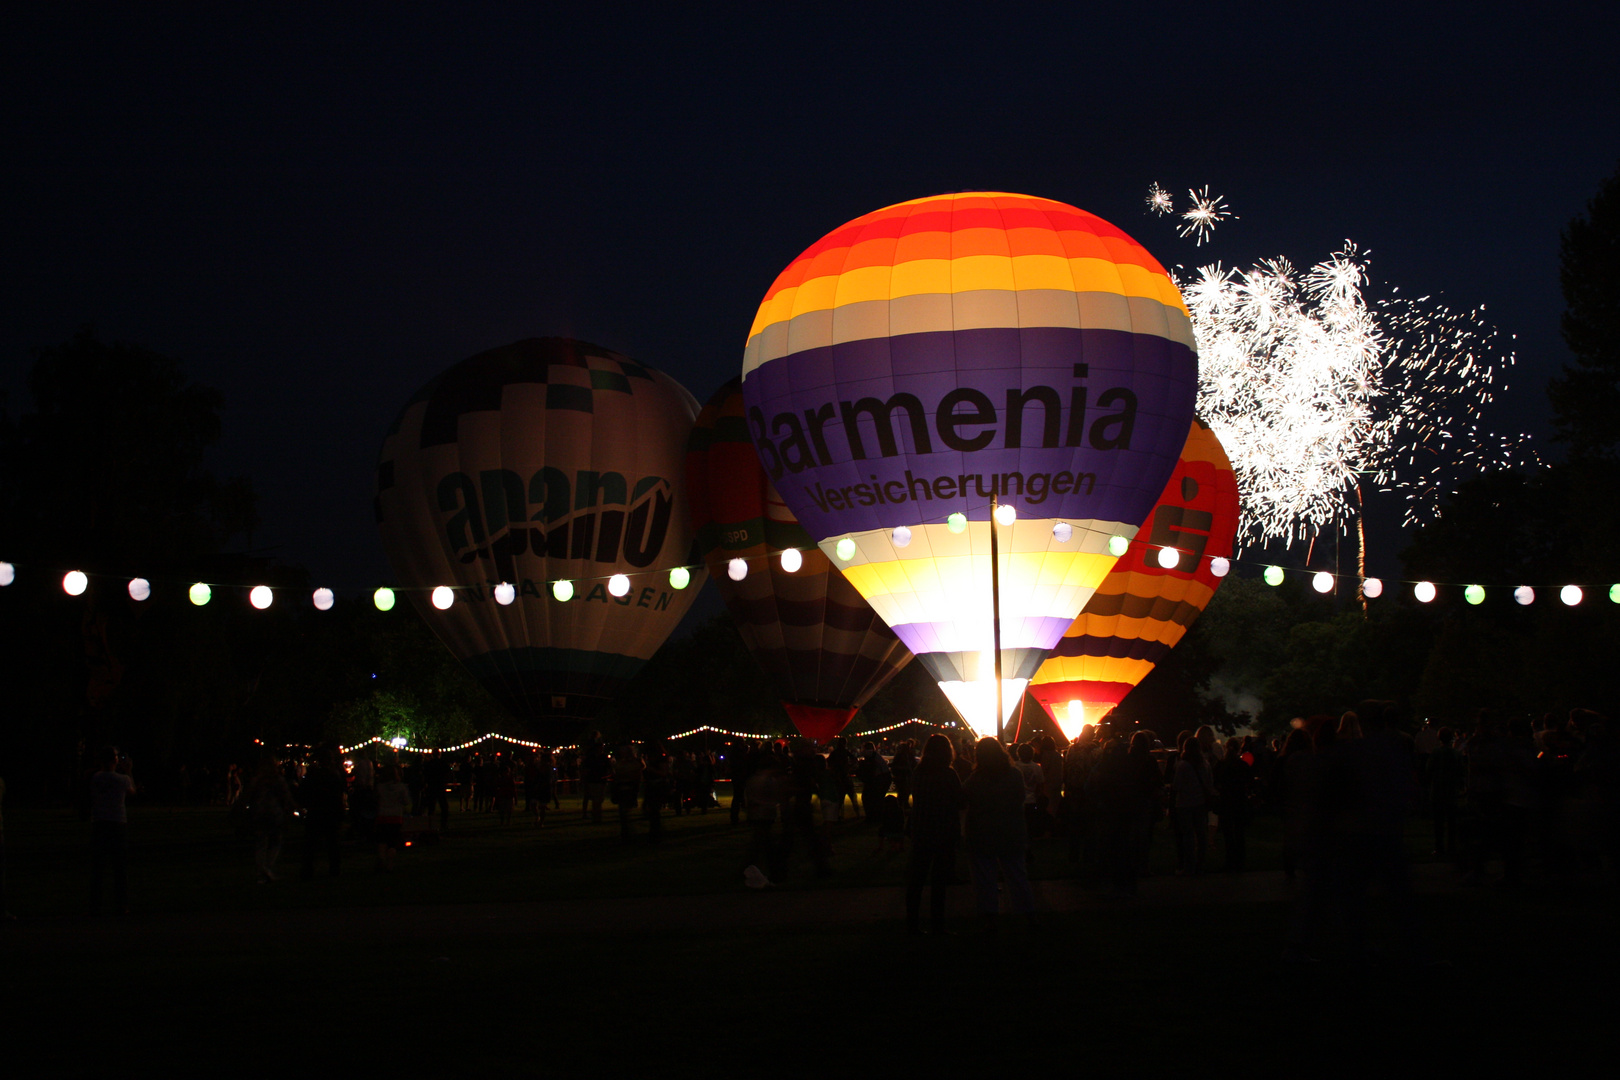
x=261, y=597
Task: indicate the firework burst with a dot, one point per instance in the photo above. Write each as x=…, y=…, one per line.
x=1312, y=389
x=1201, y=218
x=1159, y=200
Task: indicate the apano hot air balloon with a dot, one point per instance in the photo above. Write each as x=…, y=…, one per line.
x=921, y=361
x=544, y=461
x=1144, y=606
x=821, y=643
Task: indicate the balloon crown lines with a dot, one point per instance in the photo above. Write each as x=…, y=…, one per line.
x=619, y=587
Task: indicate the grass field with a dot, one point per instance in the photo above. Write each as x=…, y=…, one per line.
x=564, y=948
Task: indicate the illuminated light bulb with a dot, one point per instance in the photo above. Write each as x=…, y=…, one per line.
x=680, y=578
x=1220, y=566
x=261, y=597
x=383, y=598
x=846, y=549
x=1006, y=515
x=562, y=591
x=504, y=593
x=792, y=560
x=902, y=536
x=1614, y=594
x=956, y=522
x=1274, y=575
x=1169, y=557
x=1062, y=532
x=443, y=596
x=736, y=570
x=1424, y=591
x=323, y=599
x=1474, y=594
x=1524, y=595
x=8, y=574
x=200, y=593
x=398, y=742
x=1322, y=582
x=139, y=588
x=1571, y=595
x=1118, y=545
x=74, y=582
x=1372, y=588
x=619, y=584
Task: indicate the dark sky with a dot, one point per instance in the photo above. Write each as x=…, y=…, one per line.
x=318, y=210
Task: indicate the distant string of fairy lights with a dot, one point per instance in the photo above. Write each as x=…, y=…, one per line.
x=400, y=743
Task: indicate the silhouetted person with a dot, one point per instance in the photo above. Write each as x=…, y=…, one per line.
x=936, y=830
x=626, y=783
x=1234, y=785
x=1443, y=769
x=110, y=785
x=997, y=834
x=323, y=795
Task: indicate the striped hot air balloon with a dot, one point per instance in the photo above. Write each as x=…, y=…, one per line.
x=930, y=357
x=822, y=644
x=544, y=461
x=1143, y=607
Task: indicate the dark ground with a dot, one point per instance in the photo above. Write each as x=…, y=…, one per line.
x=565, y=948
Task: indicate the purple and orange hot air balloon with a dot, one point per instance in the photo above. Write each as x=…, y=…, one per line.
x=821, y=643
x=1144, y=606
x=928, y=359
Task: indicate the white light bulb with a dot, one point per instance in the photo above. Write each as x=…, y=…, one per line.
x=792, y=560
x=323, y=599
x=1220, y=566
x=1571, y=595
x=261, y=597
x=736, y=570
x=619, y=584
x=74, y=582
x=1525, y=595
x=1322, y=582
x=1424, y=591
x=1169, y=557
x=139, y=588
x=8, y=573
x=443, y=597
x=1005, y=514
x=902, y=536
x=1372, y=588
x=505, y=593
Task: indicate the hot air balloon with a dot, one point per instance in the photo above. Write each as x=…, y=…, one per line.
x=823, y=646
x=542, y=461
x=928, y=359
x=1143, y=606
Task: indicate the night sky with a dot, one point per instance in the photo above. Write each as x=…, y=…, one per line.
x=317, y=211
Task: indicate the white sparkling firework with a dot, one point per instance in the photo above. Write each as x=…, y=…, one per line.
x=1206, y=212
x=1159, y=200
x=1310, y=388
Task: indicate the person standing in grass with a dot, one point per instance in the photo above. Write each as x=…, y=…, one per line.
x=997, y=833
x=109, y=826
x=270, y=803
x=393, y=803
x=325, y=800
x=936, y=830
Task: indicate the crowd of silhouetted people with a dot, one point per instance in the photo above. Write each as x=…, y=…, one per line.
x=1507, y=801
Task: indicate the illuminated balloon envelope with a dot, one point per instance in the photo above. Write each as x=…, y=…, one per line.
x=929, y=357
x=1143, y=608
x=822, y=645
x=542, y=461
